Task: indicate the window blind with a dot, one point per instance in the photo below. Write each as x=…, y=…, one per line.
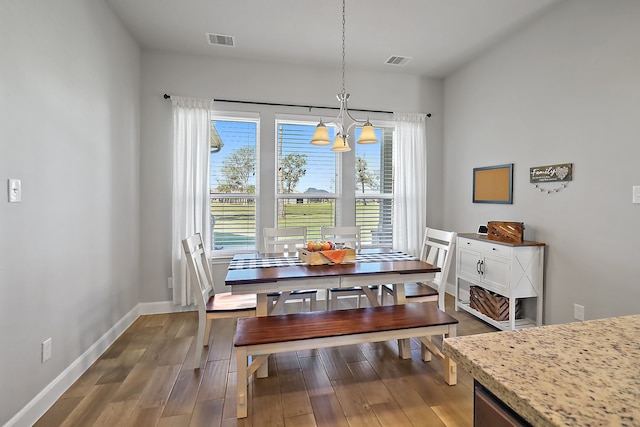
x=374, y=189
x=232, y=182
x=306, y=179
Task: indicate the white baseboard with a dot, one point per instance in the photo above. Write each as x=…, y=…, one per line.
x=160, y=307
x=451, y=290
x=41, y=403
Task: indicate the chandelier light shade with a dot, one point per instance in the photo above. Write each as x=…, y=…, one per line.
x=321, y=135
x=368, y=135
x=341, y=142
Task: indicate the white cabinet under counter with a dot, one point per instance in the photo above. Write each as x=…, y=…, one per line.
x=510, y=271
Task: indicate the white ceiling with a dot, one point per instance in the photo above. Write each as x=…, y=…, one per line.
x=439, y=35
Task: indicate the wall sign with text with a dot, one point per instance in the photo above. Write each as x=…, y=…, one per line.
x=541, y=175
x=552, y=173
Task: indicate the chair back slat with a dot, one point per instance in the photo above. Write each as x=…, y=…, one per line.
x=350, y=236
x=199, y=269
x=437, y=249
x=288, y=239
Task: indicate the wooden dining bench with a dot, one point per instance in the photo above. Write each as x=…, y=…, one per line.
x=257, y=337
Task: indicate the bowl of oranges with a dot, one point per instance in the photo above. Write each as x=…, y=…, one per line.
x=320, y=246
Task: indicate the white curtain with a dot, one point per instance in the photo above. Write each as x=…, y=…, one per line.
x=410, y=182
x=190, y=204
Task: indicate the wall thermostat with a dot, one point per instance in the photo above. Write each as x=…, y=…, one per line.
x=482, y=229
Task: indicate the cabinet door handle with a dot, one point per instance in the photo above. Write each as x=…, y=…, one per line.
x=478, y=267
x=482, y=267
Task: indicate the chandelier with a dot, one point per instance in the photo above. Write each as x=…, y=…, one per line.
x=341, y=142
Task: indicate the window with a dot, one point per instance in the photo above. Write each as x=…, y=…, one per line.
x=306, y=179
x=232, y=182
x=308, y=187
x=374, y=188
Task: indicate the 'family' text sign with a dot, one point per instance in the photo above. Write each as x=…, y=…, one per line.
x=552, y=173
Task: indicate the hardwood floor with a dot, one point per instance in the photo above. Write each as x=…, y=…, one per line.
x=146, y=378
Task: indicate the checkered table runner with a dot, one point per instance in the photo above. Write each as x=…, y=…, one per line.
x=240, y=264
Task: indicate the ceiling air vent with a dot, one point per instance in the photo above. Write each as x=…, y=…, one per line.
x=221, y=40
x=398, y=60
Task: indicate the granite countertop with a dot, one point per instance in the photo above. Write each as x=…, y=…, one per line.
x=574, y=374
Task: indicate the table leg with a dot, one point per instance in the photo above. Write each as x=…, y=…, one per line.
x=262, y=310
x=399, y=296
x=404, y=345
x=278, y=307
x=261, y=305
x=371, y=296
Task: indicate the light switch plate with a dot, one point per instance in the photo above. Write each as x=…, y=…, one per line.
x=636, y=194
x=15, y=190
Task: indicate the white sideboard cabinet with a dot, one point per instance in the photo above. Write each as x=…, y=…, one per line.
x=512, y=270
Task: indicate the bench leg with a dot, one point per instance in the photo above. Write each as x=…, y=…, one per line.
x=404, y=348
x=450, y=367
x=450, y=371
x=242, y=380
x=425, y=353
x=263, y=369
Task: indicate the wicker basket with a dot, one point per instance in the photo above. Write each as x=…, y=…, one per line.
x=491, y=304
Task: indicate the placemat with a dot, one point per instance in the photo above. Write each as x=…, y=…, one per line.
x=240, y=264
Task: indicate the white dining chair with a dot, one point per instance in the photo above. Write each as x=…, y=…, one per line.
x=351, y=237
x=211, y=305
x=437, y=249
x=287, y=240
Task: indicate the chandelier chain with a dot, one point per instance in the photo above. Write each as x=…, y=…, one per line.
x=343, y=44
x=367, y=133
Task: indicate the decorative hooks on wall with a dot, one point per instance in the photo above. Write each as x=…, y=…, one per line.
x=549, y=190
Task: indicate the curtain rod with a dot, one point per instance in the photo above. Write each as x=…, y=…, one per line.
x=294, y=105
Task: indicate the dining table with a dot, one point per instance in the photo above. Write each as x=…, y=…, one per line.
x=262, y=274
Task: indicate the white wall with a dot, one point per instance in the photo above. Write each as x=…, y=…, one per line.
x=252, y=81
x=564, y=90
x=69, y=118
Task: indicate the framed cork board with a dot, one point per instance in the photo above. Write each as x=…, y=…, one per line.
x=493, y=184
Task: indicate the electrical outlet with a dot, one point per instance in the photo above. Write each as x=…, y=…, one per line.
x=578, y=312
x=46, y=350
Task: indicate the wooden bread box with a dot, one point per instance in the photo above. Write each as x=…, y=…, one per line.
x=510, y=232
